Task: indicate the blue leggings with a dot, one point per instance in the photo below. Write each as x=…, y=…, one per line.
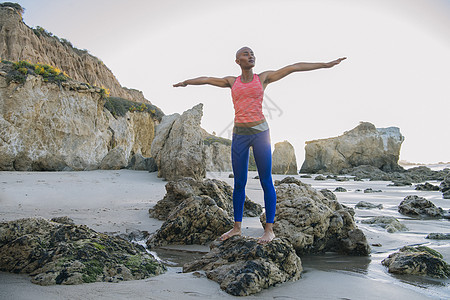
x=263, y=157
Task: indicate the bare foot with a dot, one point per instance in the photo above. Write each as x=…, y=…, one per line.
x=267, y=237
x=230, y=233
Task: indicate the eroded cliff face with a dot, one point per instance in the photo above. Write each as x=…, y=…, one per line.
x=50, y=126
x=363, y=145
x=19, y=42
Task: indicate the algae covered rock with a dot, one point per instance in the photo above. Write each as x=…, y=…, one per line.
x=414, y=205
x=64, y=253
x=197, y=220
x=419, y=260
x=391, y=224
x=243, y=267
x=314, y=223
x=179, y=190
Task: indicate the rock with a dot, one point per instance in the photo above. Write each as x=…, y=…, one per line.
x=320, y=177
x=179, y=190
x=243, y=267
x=369, y=190
x=367, y=205
x=217, y=153
x=363, y=145
x=313, y=223
x=417, y=261
x=283, y=159
x=63, y=220
x=141, y=163
x=419, y=207
x=340, y=189
x=445, y=187
x=427, y=187
x=231, y=175
x=197, y=220
x=63, y=253
x=328, y=194
x=115, y=159
x=400, y=183
x=391, y=224
x=306, y=176
x=178, y=146
x=439, y=236
x=341, y=178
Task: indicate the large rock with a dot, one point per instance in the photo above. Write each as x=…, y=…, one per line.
x=243, y=267
x=314, y=223
x=417, y=206
x=417, y=261
x=217, y=153
x=115, y=159
x=179, y=190
x=363, y=145
x=197, y=220
x=20, y=42
x=178, y=146
x=445, y=187
x=389, y=223
x=64, y=253
x=283, y=159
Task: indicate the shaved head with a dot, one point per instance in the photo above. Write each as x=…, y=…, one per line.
x=242, y=50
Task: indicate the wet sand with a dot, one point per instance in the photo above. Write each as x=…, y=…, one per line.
x=118, y=202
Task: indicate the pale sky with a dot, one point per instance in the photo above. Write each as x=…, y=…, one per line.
x=397, y=72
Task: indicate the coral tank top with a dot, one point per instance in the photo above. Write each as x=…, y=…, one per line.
x=247, y=100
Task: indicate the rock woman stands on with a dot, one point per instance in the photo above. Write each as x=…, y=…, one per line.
x=251, y=129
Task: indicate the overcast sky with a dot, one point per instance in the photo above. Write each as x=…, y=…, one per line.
x=397, y=72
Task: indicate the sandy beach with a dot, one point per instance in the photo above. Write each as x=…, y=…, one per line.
x=118, y=201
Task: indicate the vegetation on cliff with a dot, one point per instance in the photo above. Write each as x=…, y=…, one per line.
x=119, y=107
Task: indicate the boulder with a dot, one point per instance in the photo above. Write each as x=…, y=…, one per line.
x=427, y=187
x=243, y=267
x=115, y=159
x=283, y=159
x=417, y=206
x=197, y=220
x=391, y=224
x=340, y=189
x=445, y=187
x=438, y=236
x=370, y=190
x=217, y=153
x=64, y=253
x=178, y=146
x=314, y=223
x=417, y=261
x=141, y=163
x=367, y=205
x=363, y=145
x=179, y=190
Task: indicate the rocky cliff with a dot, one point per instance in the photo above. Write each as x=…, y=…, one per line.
x=363, y=145
x=20, y=42
x=63, y=125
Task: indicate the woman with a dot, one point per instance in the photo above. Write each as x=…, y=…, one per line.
x=251, y=129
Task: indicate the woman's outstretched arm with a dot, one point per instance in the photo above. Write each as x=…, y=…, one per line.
x=219, y=82
x=272, y=76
